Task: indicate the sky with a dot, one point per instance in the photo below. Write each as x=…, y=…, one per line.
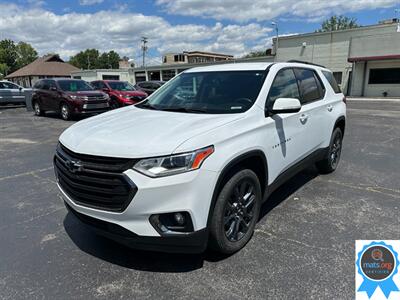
x=234, y=27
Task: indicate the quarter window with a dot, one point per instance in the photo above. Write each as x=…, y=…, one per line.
x=310, y=87
x=284, y=86
x=332, y=81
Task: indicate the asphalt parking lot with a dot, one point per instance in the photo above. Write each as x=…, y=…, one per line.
x=303, y=246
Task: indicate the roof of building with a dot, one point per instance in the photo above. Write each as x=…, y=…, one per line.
x=49, y=65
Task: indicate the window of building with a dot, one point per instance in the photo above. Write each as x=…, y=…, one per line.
x=338, y=77
x=284, y=86
x=310, y=86
x=77, y=77
x=179, y=57
x=332, y=81
x=110, y=77
x=168, y=74
x=384, y=76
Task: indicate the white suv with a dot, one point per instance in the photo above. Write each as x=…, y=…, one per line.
x=191, y=165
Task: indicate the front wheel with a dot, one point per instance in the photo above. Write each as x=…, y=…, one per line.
x=38, y=110
x=65, y=112
x=332, y=157
x=236, y=212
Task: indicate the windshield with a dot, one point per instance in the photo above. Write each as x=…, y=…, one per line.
x=74, y=85
x=121, y=86
x=222, y=92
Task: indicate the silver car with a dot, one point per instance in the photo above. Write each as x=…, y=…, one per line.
x=11, y=93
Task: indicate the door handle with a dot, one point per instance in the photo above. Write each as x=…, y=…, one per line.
x=303, y=118
x=329, y=108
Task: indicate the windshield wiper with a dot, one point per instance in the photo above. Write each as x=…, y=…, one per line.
x=147, y=105
x=184, y=109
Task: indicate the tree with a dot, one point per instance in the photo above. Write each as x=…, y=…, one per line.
x=338, y=23
x=255, y=54
x=109, y=60
x=4, y=70
x=87, y=59
x=25, y=54
x=8, y=55
x=91, y=59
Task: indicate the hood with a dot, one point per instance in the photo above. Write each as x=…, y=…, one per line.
x=85, y=93
x=131, y=93
x=133, y=132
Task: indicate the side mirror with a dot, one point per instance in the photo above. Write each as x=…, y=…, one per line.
x=286, y=106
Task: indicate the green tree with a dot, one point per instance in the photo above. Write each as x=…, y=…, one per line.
x=25, y=54
x=4, y=69
x=8, y=55
x=88, y=59
x=338, y=23
x=255, y=54
x=109, y=60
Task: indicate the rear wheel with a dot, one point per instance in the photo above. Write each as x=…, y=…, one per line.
x=65, y=112
x=332, y=157
x=37, y=109
x=236, y=212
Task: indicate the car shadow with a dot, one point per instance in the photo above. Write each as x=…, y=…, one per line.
x=108, y=250
x=287, y=189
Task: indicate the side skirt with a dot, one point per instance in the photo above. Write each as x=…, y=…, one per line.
x=293, y=170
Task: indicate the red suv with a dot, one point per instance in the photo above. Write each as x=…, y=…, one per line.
x=68, y=97
x=122, y=93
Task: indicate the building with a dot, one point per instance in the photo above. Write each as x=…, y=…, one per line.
x=192, y=57
x=43, y=67
x=162, y=72
x=126, y=63
x=365, y=60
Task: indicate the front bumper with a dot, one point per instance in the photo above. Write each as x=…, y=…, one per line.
x=190, y=192
x=194, y=242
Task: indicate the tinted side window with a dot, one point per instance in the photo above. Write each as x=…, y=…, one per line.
x=52, y=84
x=284, y=86
x=45, y=85
x=309, y=88
x=332, y=81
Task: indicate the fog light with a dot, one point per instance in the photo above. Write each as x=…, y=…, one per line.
x=179, y=218
x=172, y=222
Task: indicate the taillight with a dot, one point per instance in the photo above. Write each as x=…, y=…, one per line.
x=344, y=100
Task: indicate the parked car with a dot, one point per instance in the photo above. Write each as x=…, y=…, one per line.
x=149, y=87
x=122, y=93
x=177, y=173
x=69, y=97
x=11, y=93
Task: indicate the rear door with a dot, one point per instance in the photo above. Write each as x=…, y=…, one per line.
x=313, y=95
x=53, y=95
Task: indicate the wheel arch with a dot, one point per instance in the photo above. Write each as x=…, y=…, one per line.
x=340, y=123
x=254, y=160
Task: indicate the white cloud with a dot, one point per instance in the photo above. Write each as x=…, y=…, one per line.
x=90, y=2
x=262, y=10
x=70, y=33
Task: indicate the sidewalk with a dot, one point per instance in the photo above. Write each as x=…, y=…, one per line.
x=373, y=99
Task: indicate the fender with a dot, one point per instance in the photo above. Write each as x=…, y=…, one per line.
x=231, y=167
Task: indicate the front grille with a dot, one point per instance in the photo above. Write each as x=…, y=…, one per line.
x=95, y=181
x=93, y=98
x=138, y=98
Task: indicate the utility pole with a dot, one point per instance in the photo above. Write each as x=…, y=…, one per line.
x=275, y=24
x=144, y=49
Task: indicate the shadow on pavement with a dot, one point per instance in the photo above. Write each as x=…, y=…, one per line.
x=118, y=254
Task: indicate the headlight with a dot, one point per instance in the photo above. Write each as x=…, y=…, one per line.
x=75, y=97
x=125, y=96
x=174, y=164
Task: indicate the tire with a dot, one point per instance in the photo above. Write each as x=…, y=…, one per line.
x=228, y=232
x=114, y=103
x=37, y=109
x=332, y=157
x=65, y=112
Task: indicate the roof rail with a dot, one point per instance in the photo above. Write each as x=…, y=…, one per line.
x=305, y=62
